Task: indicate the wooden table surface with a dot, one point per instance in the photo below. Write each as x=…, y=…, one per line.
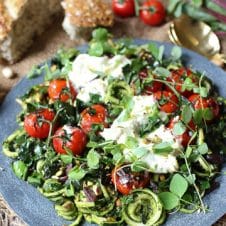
x=46, y=45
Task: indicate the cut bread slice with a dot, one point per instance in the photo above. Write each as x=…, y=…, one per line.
x=81, y=17
x=21, y=21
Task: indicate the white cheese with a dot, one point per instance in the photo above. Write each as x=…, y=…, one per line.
x=97, y=86
x=86, y=69
x=121, y=129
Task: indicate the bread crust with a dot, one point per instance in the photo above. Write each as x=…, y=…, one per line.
x=5, y=22
x=90, y=13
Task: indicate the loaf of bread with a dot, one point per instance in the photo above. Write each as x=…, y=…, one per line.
x=82, y=16
x=21, y=21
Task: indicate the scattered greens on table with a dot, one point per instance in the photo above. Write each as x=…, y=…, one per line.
x=81, y=186
x=200, y=10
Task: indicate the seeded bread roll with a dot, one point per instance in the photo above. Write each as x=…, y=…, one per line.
x=82, y=16
x=21, y=21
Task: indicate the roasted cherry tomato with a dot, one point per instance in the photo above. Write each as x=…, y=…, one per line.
x=203, y=103
x=60, y=89
x=167, y=101
x=69, y=138
x=186, y=136
x=125, y=180
x=95, y=114
x=152, y=12
x=37, y=124
x=177, y=79
x=123, y=8
x=151, y=88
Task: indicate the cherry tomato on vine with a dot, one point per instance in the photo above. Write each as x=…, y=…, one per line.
x=37, y=124
x=60, y=89
x=123, y=8
x=69, y=138
x=125, y=180
x=168, y=101
x=95, y=114
x=205, y=103
x=152, y=12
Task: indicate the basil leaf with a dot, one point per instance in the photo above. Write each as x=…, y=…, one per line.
x=93, y=159
x=162, y=148
x=169, y=200
x=178, y=185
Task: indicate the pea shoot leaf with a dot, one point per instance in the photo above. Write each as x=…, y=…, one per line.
x=186, y=114
x=162, y=148
x=131, y=142
x=67, y=159
x=153, y=48
x=138, y=166
x=179, y=128
x=191, y=179
x=100, y=34
x=178, y=185
x=96, y=49
x=139, y=152
x=169, y=200
x=203, y=148
x=93, y=159
x=76, y=173
x=176, y=53
x=162, y=72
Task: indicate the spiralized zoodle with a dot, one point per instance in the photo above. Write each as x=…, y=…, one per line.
x=120, y=134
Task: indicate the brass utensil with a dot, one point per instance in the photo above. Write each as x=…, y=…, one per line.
x=197, y=36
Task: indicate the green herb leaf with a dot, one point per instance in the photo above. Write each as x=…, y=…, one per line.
x=203, y=149
x=197, y=3
x=131, y=142
x=186, y=114
x=100, y=34
x=162, y=72
x=76, y=174
x=67, y=159
x=153, y=48
x=172, y=5
x=96, y=49
x=169, y=200
x=176, y=53
x=161, y=52
x=93, y=159
x=139, y=166
x=178, y=185
x=179, y=128
x=191, y=179
x=139, y=152
x=20, y=169
x=162, y=148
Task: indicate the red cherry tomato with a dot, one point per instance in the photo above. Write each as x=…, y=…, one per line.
x=203, y=103
x=95, y=114
x=60, y=89
x=71, y=138
x=153, y=87
x=126, y=181
x=167, y=101
x=186, y=136
x=152, y=12
x=123, y=8
x=178, y=77
x=36, y=123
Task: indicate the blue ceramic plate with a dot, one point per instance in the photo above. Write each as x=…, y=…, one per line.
x=36, y=210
